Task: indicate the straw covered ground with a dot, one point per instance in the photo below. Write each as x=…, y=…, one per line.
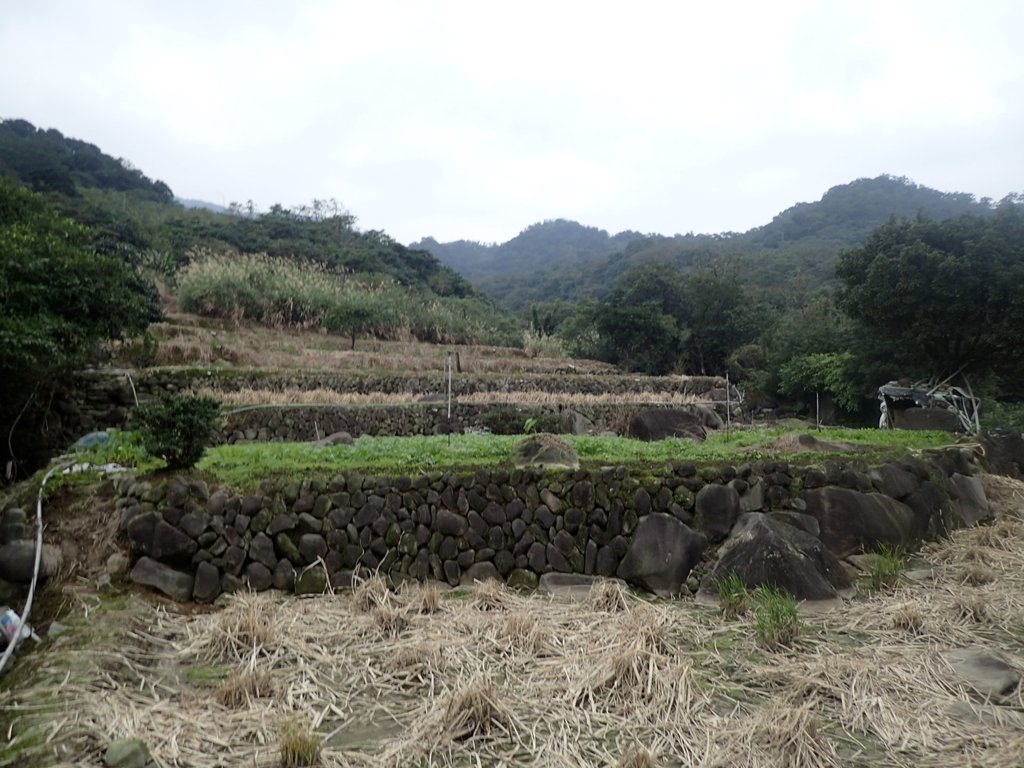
x=486, y=676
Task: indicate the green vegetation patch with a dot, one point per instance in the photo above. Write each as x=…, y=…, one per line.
x=244, y=466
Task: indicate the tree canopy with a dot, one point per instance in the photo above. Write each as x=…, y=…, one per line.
x=59, y=297
x=949, y=294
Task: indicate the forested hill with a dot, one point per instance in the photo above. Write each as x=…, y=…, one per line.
x=131, y=214
x=846, y=214
x=50, y=163
x=546, y=244
x=801, y=242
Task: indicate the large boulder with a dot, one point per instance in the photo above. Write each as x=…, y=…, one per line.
x=851, y=521
x=661, y=423
x=661, y=554
x=545, y=450
x=971, y=504
x=764, y=550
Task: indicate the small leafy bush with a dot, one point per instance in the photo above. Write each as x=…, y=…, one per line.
x=733, y=595
x=177, y=428
x=776, y=622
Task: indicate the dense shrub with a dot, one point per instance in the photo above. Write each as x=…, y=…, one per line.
x=177, y=428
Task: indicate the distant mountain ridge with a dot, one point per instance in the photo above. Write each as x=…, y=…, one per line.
x=556, y=260
x=548, y=243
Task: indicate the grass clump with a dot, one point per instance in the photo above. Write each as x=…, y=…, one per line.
x=776, y=622
x=886, y=568
x=300, y=745
x=733, y=595
x=238, y=690
x=475, y=710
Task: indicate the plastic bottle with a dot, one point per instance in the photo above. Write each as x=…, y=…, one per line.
x=9, y=624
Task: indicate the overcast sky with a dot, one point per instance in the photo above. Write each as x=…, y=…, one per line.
x=475, y=119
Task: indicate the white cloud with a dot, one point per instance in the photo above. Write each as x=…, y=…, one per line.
x=468, y=119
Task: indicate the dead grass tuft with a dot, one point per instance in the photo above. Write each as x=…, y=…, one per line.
x=245, y=627
x=607, y=596
x=908, y=617
x=299, y=744
x=390, y=620
x=417, y=659
x=644, y=629
x=521, y=633
x=423, y=598
x=636, y=757
x=976, y=574
x=476, y=710
x=639, y=682
x=790, y=736
x=491, y=595
x=371, y=593
x=239, y=690
x=971, y=607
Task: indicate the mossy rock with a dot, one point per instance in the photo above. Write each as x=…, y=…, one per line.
x=547, y=451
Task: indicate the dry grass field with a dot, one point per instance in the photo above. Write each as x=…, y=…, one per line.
x=490, y=677
x=190, y=340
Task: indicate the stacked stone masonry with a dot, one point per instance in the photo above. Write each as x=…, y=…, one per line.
x=657, y=532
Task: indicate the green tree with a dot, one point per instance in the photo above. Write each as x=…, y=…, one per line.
x=639, y=338
x=364, y=313
x=719, y=314
x=59, y=298
x=949, y=295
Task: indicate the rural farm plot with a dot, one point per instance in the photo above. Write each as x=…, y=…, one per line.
x=487, y=676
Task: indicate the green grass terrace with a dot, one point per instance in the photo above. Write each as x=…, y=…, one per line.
x=245, y=466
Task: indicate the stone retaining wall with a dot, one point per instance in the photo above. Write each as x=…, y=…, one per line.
x=193, y=542
x=103, y=398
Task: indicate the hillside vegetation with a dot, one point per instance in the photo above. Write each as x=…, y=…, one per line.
x=544, y=261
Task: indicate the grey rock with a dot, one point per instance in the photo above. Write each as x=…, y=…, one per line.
x=261, y=549
x=174, y=584
x=170, y=545
x=479, y=572
x=258, y=576
x=661, y=423
x=311, y=581
x=717, y=508
x=450, y=523
x=987, y=673
x=283, y=577
x=971, y=505
x=851, y=521
x=18, y=560
x=544, y=450
x=281, y=523
x=764, y=551
x=893, y=481
x=312, y=547
x=520, y=578
x=206, y=586
x=127, y=753
x=661, y=554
